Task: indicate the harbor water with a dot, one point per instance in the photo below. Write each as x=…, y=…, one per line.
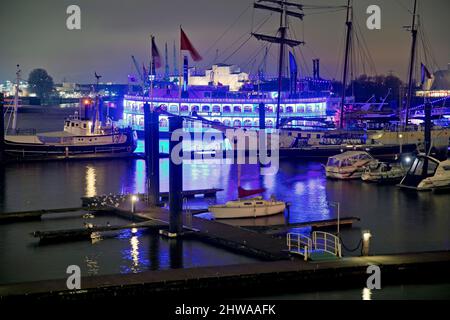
x=399, y=221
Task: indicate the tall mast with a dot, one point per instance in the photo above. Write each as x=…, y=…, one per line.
x=281, y=7
x=97, y=104
x=175, y=64
x=411, y=64
x=166, y=59
x=16, y=99
x=347, y=51
x=282, y=31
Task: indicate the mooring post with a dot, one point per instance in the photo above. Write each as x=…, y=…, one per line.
x=151, y=126
x=2, y=130
x=175, y=181
x=366, y=235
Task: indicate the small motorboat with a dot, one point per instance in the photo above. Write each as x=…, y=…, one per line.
x=348, y=165
x=248, y=208
x=427, y=173
x=382, y=172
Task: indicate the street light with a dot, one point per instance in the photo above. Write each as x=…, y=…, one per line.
x=134, y=199
x=400, y=137
x=337, y=206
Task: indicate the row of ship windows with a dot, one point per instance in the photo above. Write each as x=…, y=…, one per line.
x=228, y=109
x=163, y=123
x=72, y=124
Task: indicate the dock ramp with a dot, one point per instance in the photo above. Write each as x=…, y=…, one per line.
x=320, y=246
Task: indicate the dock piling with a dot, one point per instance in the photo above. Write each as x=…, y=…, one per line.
x=175, y=182
x=151, y=126
x=262, y=116
x=2, y=130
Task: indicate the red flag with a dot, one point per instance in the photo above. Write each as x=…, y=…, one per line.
x=242, y=193
x=156, y=57
x=187, y=45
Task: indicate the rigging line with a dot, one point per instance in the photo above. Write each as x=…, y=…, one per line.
x=365, y=47
x=305, y=64
x=325, y=12
x=428, y=45
x=254, y=55
x=403, y=6
x=238, y=48
x=319, y=7
x=245, y=33
x=228, y=29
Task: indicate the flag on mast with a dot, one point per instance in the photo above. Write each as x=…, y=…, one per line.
x=185, y=44
x=156, y=57
x=425, y=77
x=292, y=64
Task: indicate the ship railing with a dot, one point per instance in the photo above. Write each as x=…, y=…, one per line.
x=188, y=212
x=20, y=132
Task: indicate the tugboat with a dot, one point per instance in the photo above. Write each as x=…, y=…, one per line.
x=81, y=138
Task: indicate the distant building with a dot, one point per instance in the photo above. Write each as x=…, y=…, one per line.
x=440, y=87
x=8, y=88
x=220, y=75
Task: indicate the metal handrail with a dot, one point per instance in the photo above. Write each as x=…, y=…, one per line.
x=327, y=242
x=300, y=244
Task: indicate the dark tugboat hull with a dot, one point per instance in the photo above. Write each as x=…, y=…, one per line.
x=33, y=151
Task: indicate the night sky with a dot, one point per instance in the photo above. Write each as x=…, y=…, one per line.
x=34, y=34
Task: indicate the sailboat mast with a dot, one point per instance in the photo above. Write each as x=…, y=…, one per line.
x=281, y=59
x=347, y=51
x=411, y=64
x=280, y=6
x=16, y=99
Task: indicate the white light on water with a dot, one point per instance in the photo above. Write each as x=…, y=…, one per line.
x=366, y=294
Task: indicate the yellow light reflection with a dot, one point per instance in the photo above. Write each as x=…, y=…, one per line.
x=91, y=180
x=366, y=294
x=134, y=241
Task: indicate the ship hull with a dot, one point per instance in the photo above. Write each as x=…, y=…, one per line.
x=40, y=151
x=385, y=152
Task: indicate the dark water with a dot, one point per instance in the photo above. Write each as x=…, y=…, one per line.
x=399, y=221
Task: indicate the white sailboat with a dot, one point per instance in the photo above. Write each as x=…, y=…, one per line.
x=247, y=208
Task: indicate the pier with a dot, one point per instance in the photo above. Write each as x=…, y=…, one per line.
x=242, y=280
x=83, y=233
x=8, y=217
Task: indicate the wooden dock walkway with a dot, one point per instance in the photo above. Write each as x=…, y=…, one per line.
x=7, y=217
x=232, y=281
x=233, y=238
x=318, y=224
x=87, y=233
